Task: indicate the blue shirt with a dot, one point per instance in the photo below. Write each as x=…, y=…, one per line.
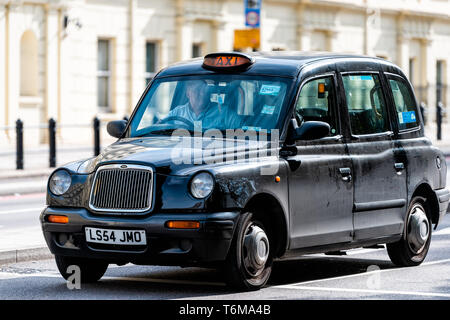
x=211, y=118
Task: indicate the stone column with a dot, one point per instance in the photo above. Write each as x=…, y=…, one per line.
x=3, y=69
x=131, y=64
x=303, y=34
x=218, y=44
x=183, y=26
x=428, y=77
x=331, y=39
x=402, y=46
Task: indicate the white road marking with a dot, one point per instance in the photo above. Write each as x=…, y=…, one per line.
x=39, y=209
x=367, y=273
x=362, y=251
x=445, y=231
x=393, y=292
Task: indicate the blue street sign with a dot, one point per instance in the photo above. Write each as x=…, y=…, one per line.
x=252, y=13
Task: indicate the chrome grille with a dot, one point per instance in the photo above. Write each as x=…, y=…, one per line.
x=121, y=188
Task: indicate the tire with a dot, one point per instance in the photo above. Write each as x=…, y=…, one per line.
x=91, y=270
x=245, y=269
x=412, y=249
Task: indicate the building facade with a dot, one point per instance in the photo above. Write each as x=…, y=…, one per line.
x=76, y=59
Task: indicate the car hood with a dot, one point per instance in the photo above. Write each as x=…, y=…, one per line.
x=170, y=155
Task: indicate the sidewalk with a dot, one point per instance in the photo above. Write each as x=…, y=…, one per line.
x=22, y=245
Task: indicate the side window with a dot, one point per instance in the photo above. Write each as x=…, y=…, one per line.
x=317, y=102
x=365, y=103
x=405, y=104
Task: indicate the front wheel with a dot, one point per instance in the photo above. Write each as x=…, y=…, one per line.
x=90, y=270
x=249, y=261
x=412, y=249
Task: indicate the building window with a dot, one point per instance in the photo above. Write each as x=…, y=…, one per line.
x=151, y=60
x=440, y=82
x=196, y=50
x=104, y=74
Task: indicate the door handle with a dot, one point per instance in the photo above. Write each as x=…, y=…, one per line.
x=346, y=174
x=399, y=167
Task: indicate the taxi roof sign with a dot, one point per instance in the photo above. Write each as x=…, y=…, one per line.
x=233, y=60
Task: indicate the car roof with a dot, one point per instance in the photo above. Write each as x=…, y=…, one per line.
x=278, y=63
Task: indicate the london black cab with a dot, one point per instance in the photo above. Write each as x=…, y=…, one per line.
x=233, y=161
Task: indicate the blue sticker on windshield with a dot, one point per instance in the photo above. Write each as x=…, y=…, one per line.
x=407, y=117
x=268, y=109
x=269, y=90
x=360, y=77
x=257, y=129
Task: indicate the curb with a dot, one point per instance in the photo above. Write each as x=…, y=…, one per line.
x=23, y=255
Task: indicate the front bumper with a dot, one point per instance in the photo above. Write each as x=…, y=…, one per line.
x=164, y=246
x=443, y=196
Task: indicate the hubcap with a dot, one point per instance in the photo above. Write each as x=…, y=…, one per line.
x=418, y=229
x=255, y=250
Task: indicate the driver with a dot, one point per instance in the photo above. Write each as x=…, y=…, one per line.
x=200, y=108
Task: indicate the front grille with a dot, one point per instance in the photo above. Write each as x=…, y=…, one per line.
x=120, y=188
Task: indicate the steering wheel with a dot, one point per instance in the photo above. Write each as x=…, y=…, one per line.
x=177, y=118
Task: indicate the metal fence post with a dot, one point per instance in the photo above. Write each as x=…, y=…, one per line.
x=19, y=144
x=52, y=141
x=96, y=136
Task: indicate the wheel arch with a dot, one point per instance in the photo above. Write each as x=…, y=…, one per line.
x=273, y=218
x=425, y=190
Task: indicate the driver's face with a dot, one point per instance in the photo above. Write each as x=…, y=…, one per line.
x=196, y=93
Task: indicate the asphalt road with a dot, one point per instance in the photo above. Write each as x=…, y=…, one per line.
x=362, y=274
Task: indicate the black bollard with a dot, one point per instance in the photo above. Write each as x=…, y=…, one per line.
x=439, y=115
x=19, y=144
x=96, y=136
x=52, y=141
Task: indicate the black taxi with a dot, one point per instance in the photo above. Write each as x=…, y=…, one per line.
x=234, y=161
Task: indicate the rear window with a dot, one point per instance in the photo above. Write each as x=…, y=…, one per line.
x=405, y=104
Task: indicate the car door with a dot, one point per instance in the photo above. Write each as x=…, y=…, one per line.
x=378, y=168
x=320, y=186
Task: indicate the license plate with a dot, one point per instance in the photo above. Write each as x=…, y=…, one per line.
x=113, y=236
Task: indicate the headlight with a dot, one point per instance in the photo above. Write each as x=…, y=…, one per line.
x=202, y=185
x=60, y=182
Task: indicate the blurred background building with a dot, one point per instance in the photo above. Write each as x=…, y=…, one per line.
x=76, y=59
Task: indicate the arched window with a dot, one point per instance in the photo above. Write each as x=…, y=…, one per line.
x=28, y=64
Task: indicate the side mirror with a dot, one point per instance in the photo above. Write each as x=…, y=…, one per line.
x=116, y=128
x=312, y=130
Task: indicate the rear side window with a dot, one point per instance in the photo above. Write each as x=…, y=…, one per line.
x=366, y=104
x=405, y=104
x=316, y=102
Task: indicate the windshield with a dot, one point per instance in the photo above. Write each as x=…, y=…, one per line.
x=203, y=103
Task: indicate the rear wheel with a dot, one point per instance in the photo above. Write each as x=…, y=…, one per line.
x=412, y=249
x=90, y=270
x=249, y=262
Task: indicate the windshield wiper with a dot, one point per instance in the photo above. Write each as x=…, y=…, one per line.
x=166, y=131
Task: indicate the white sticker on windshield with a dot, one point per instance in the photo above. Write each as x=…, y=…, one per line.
x=269, y=90
x=267, y=109
x=218, y=98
